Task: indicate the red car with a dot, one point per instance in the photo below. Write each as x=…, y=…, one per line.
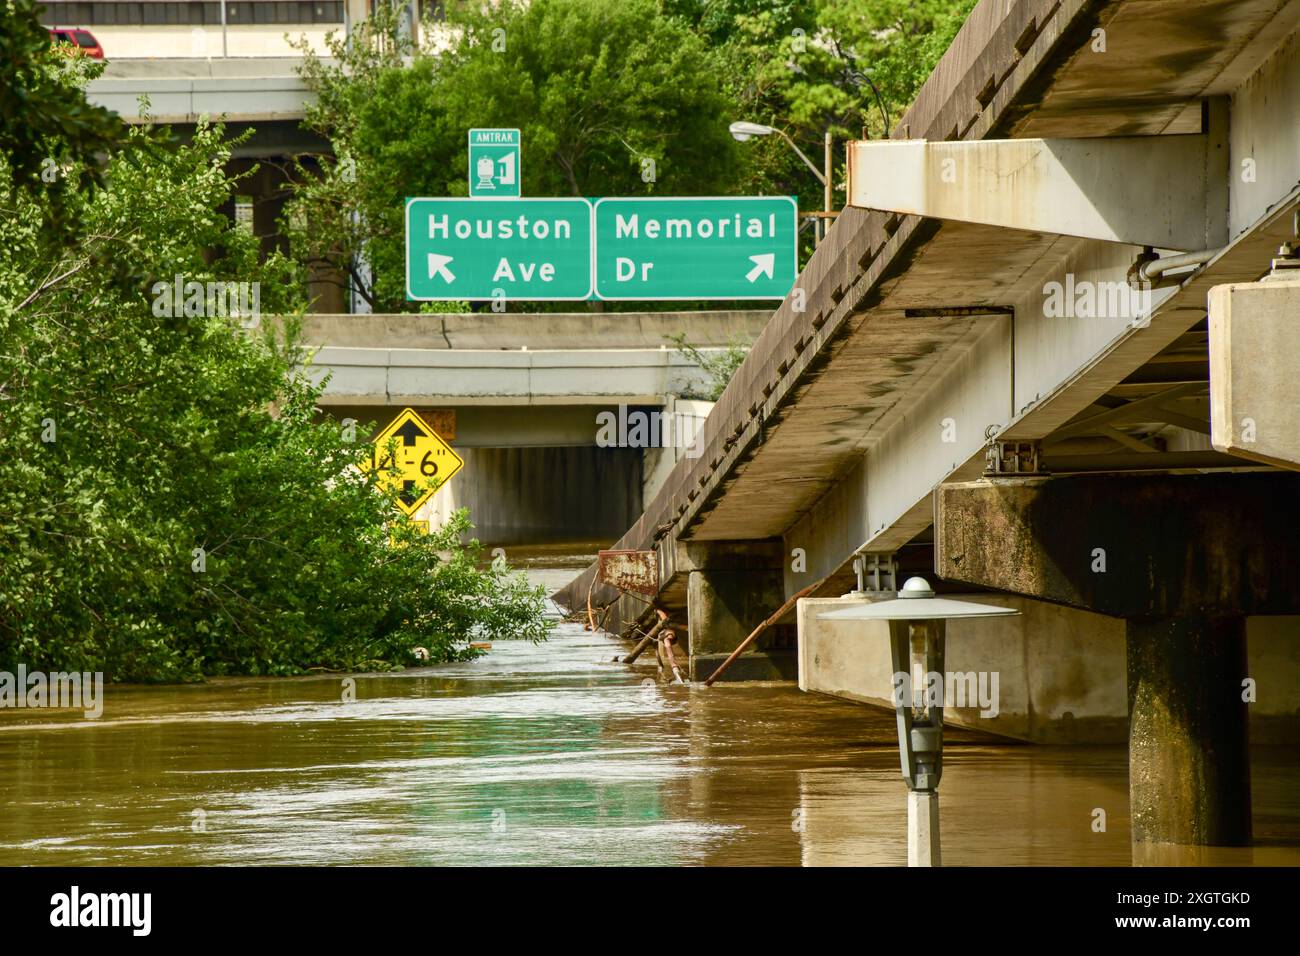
x=76, y=42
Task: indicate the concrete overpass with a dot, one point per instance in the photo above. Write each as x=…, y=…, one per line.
x=181, y=90
x=261, y=96
x=524, y=396
x=940, y=339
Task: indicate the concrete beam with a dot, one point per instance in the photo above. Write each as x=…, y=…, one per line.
x=1254, y=388
x=519, y=330
x=1143, y=190
x=377, y=376
x=1150, y=546
x=184, y=90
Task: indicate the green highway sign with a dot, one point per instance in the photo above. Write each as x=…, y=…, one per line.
x=723, y=247
x=494, y=163
x=537, y=249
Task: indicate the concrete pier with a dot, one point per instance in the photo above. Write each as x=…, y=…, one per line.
x=1183, y=561
x=731, y=588
x=1189, y=768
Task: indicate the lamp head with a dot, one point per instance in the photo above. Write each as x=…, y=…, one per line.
x=743, y=130
x=916, y=588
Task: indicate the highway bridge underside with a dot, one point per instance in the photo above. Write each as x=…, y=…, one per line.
x=940, y=395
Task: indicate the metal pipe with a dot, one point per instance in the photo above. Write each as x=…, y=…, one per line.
x=668, y=641
x=1155, y=268
x=645, y=641
x=827, y=199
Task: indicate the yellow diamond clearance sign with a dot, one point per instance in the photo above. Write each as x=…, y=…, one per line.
x=410, y=456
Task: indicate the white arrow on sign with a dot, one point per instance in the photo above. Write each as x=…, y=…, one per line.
x=438, y=267
x=764, y=264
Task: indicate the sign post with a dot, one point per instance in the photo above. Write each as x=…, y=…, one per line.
x=494, y=163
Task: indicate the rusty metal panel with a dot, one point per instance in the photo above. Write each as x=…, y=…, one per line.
x=635, y=571
x=441, y=420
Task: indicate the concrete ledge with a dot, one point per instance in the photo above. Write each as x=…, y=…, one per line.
x=597, y=331
x=486, y=376
x=750, y=666
x=1061, y=672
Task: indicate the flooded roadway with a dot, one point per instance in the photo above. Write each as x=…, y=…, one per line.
x=547, y=754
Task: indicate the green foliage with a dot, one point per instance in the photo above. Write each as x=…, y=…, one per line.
x=44, y=118
x=719, y=367
x=595, y=87
x=132, y=434
x=810, y=68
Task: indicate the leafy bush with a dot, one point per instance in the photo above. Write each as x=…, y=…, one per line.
x=133, y=433
x=718, y=366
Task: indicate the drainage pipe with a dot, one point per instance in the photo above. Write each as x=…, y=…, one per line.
x=1155, y=268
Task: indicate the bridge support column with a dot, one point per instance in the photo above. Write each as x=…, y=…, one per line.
x=1189, y=767
x=732, y=586
x=1183, y=559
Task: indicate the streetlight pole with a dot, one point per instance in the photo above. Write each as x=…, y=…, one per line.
x=916, y=620
x=826, y=188
x=742, y=131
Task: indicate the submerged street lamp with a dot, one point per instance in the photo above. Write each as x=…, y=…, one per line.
x=916, y=632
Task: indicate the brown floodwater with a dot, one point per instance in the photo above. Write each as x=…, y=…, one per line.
x=547, y=754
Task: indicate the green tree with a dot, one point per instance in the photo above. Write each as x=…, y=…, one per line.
x=45, y=121
x=819, y=66
x=169, y=505
x=611, y=98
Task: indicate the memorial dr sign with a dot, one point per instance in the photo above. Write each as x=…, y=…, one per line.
x=723, y=247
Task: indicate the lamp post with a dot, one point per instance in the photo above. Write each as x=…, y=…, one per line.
x=742, y=131
x=916, y=633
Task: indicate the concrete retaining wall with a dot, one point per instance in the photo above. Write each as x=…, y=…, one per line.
x=543, y=495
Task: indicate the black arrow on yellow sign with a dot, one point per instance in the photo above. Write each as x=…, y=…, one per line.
x=410, y=432
x=408, y=493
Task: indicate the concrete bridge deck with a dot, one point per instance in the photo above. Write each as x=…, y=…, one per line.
x=544, y=359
